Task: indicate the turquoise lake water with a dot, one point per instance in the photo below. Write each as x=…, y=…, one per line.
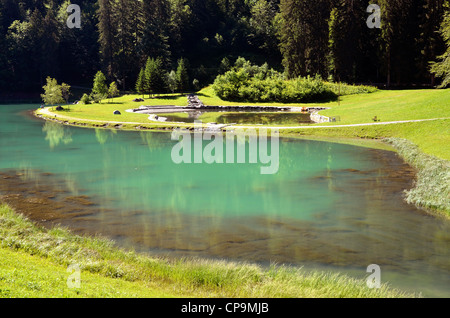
x=330, y=206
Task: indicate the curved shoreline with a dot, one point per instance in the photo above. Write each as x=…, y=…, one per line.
x=420, y=195
x=44, y=113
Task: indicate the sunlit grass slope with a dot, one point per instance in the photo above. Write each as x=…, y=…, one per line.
x=35, y=260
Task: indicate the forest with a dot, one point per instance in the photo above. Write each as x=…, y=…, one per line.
x=326, y=38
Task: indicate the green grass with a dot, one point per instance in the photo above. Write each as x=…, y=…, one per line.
x=104, y=111
x=24, y=275
x=432, y=188
x=390, y=105
x=432, y=137
x=34, y=264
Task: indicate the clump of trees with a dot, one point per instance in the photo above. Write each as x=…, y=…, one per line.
x=100, y=90
x=301, y=38
x=153, y=79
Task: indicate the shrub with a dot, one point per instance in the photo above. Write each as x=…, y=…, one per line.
x=252, y=83
x=85, y=99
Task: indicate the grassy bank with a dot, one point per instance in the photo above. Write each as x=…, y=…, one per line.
x=431, y=137
x=432, y=188
x=34, y=264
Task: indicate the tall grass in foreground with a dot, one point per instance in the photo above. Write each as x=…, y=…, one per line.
x=202, y=277
x=432, y=187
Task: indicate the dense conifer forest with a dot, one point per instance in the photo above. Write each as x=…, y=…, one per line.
x=329, y=38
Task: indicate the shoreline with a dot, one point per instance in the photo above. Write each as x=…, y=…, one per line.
x=100, y=259
x=379, y=142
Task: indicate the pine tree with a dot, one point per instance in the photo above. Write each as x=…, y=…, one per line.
x=140, y=83
x=106, y=30
x=100, y=89
x=154, y=76
x=352, y=55
x=125, y=59
x=159, y=79
x=442, y=68
x=154, y=29
x=303, y=36
x=430, y=40
x=399, y=33
x=182, y=76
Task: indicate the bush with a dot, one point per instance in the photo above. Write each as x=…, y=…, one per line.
x=85, y=99
x=252, y=83
x=346, y=89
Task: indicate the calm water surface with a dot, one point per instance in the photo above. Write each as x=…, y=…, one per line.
x=255, y=118
x=330, y=206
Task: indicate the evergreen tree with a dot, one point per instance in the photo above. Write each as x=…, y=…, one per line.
x=263, y=28
x=399, y=33
x=442, y=68
x=154, y=76
x=303, y=36
x=154, y=29
x=140, y=83
x=179, y=25
x=431, y=39
x=106, y=30
x=182, y=76
x=100, y=88
x=125, y=60
x=352, y=55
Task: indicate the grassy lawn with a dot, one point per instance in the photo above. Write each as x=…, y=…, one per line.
x=430, y=136
x=35, y=260
x=104, y=111
x=390, y=106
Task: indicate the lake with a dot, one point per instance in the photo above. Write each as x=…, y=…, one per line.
x=330, y=206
